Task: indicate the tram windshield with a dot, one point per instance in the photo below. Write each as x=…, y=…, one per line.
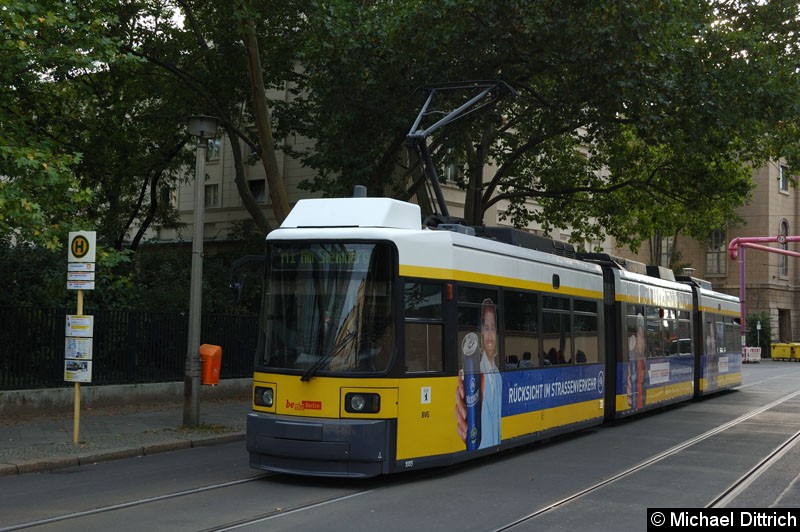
x=327, y=308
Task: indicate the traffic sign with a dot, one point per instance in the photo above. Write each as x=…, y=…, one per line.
x=80, y=285
x=80, y=276
x=80, y=266
x=82, y=246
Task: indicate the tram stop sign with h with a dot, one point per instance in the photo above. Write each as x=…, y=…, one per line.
x=82, y=246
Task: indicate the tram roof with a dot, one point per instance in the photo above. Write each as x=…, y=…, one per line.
x=354, y=212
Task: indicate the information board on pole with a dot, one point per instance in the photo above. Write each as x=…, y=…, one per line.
x=78, y=348
x=77, y=370
x=80, y=326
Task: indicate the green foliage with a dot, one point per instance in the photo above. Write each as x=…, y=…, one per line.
x=115, y=281
x=762, y=338
x=32, y=276
x=94, y=109
x=163, y=276
x=630, y=117
x=157, y=280
x=44, y=43
x=93, y=133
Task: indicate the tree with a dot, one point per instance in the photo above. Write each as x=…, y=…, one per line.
x=132, y=144
x=43, y=43
x=107, y=143
x=215, y=55
x=94, y=112
x=630, y=117
x=95, y=106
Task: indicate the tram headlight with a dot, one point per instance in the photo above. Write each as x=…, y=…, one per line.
x=264, y=396
x=362, y=403
x=358, y=402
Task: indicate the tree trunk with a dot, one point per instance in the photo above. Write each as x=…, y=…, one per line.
x=248, y=201
x=277, y=188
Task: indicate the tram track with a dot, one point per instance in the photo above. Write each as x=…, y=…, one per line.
x=264, y=518
x=132, y=503
x=234, y=525
x=727, y=496
x=720, y=501
x=527, y=519
x=282, y=502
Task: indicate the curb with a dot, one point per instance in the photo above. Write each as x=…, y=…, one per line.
x=41, y=465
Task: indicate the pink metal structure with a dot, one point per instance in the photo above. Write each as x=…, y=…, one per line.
x=755, y=242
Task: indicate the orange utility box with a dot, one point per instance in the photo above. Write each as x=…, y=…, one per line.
x=210, y=360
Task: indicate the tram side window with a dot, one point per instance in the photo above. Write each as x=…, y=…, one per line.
x=556, y=331
x=733, y=338
x=661, y=331
x=682, y=344
x=710, y=334
x=587, y=332
x=635, y=332
x=728, y=335
x=669, y=331
x=653, y=337
x=720, y=334
x=521, y=329
x=423, y=328
x=423, y=347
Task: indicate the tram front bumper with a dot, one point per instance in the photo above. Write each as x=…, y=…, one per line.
x=320, y=446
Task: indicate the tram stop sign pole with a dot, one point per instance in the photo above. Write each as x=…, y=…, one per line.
x=79, y=329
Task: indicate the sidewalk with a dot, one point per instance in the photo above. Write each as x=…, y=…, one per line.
x=46, y=442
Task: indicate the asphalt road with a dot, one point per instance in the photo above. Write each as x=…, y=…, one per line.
x=733, y=450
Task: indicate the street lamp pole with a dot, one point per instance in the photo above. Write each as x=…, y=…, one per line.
x=201, y=127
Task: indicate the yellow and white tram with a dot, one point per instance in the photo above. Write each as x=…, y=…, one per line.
x=386, y=346
x=719, y=344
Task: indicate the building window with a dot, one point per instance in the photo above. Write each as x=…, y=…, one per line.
x=716, y=253
x=258, y=188
x=666, y=251
x=212, y=196
x=168, y=197
x=783, y=178
x=449, y=171
x=783, y=263
x=214, y=149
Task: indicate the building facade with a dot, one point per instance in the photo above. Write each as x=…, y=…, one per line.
x=771, y=280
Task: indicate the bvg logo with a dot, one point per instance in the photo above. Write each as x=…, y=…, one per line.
x=80, y=246
x=304, y=405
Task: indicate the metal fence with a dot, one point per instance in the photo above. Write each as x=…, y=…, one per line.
x=129, y=347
